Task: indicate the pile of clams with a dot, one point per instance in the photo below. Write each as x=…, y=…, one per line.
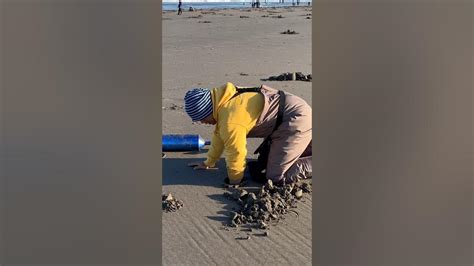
x=268, y=205
x=170, y=204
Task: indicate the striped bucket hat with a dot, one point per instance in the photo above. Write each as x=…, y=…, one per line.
x=198, y=103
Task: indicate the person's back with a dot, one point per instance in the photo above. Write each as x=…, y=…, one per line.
x=242, y=109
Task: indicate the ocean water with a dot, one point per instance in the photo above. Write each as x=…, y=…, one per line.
x=209, y=5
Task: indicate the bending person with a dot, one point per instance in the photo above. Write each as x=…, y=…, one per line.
x=283, y=119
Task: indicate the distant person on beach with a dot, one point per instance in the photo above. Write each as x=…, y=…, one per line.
x=281, y=118
x=180, y=10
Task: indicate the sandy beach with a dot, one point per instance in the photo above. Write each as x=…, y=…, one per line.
x=208, y=48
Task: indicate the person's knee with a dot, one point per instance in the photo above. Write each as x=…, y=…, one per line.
x=301, y=169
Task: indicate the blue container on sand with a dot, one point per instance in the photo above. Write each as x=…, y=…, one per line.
x=183, y=142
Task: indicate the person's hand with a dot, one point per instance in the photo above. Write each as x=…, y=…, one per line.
x=201, y=166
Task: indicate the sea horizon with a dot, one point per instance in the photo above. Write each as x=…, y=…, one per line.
x=170, y=6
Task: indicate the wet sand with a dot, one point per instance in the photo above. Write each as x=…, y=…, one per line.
x=207, y=49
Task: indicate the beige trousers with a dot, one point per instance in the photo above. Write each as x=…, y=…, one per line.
x=289, y=142
x=286, y=160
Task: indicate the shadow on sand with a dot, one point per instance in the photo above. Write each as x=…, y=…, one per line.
x=228, y=207
x=177, y=172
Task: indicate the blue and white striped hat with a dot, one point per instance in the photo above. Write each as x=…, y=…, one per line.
x=198, y=103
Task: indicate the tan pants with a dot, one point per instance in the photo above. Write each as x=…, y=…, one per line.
x=291, y=150
x=302, y=168
x=289, y=142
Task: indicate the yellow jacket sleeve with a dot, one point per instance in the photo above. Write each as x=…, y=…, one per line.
x=215, y=150
x=234, y=137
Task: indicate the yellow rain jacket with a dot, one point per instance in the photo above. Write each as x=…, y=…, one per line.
x=235, y=118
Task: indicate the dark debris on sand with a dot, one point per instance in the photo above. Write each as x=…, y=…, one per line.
x=208, y=12
x=170, y=204
x=289, y=32
x=291, y=76
x=269, y=205
x=173, y=107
